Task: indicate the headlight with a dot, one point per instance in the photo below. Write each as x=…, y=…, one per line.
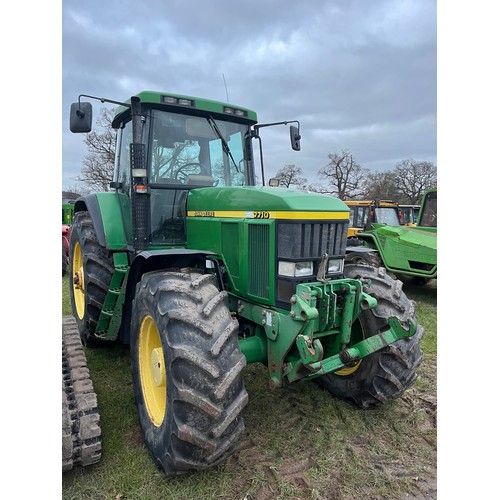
x=295, y=268
x=335, y=266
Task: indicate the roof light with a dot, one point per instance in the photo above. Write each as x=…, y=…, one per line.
x=177, y=101
x=169, y=100
x=234, y=111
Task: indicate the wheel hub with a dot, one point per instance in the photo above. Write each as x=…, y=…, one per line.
x=78, y=280
x=158, y=367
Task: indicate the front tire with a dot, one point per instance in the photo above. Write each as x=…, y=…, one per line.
x=364, y=258
x=186, y=371
x=91, y=269
x=386, y=374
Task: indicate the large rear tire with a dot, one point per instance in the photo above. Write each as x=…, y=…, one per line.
x=386, y=374
x=186, y=370
x=91, y=269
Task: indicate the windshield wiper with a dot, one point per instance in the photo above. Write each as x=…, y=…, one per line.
x=225, y=146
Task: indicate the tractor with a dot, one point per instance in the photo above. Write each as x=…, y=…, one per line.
x=408, y=251
x=201, y=271
x=366, y=212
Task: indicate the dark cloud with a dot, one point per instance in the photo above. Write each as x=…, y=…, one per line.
x=358, y=75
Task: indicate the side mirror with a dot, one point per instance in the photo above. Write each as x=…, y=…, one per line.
x=274, y=182
x=80, y=117
x=295, y=137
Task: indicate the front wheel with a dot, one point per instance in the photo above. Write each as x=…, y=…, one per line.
x=386, y=374
x=365, y=258
x=413, y=280
x=186, y=370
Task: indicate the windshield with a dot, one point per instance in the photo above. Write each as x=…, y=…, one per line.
x=428, y=218
x=197, y=151
x=387, y=215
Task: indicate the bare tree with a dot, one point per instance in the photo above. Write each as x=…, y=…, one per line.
x=289, y=175
x=413, y=178
x=345, y=178
x=381, y=186
x=98, y=163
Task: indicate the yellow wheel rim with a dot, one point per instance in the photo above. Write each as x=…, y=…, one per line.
x=348, y=370
x=78, y=281
x=357, y=334
x=152, y=371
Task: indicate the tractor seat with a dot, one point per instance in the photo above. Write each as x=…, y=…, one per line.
x=200, y=180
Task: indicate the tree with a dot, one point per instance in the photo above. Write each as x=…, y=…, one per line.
x=381, y=186
x=98, y=163
x=345, y=177
x=413, y=178
x=290, y=175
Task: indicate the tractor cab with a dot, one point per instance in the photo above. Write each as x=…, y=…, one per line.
x=184, y=152
x=363, y=213
x=428, y=212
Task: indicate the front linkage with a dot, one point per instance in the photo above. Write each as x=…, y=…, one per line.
x=315, y=337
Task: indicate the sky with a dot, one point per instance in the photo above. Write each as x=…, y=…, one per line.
x=357, y=75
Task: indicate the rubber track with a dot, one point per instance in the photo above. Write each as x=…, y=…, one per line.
x=81, y=424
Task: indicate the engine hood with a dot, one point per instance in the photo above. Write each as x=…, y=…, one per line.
x=264, y=202
x=409, y=235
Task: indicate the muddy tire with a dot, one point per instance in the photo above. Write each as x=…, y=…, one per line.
x=386, y=374
x=412, y=280
x=64, y=262
x=364, y=258
x=91, y=268
x=81, y=424
x=186, y=371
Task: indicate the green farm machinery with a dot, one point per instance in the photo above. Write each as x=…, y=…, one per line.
x=201, y=271
x=407, y=251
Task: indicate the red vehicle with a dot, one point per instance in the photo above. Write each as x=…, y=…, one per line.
x=66, y=230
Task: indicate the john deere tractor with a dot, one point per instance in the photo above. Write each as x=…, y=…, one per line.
x=201, y=272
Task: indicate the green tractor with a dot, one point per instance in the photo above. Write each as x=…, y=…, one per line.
x=201, y=272
x=409, y=252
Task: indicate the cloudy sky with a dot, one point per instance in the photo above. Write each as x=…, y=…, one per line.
x=358, y=75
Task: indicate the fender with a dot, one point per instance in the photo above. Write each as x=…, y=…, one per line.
x=105, y=212
x=154, y=260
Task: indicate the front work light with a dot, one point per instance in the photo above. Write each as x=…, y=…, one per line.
x=335, y=266
x=295, y=269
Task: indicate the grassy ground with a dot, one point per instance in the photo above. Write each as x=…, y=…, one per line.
x=299, y=442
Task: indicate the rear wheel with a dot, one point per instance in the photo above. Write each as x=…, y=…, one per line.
x=386, y=374
x=186, y=370
x=91, y=268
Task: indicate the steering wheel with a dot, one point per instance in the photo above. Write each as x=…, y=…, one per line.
x=181, y=173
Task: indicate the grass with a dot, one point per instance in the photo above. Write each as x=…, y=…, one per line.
x=299, y=442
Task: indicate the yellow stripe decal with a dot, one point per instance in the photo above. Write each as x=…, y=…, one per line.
x=269, y=214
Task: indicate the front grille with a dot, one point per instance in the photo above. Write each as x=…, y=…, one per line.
x=306, y=240
x=258, y=260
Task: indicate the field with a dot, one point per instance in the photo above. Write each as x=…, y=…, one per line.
x=299, y=442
